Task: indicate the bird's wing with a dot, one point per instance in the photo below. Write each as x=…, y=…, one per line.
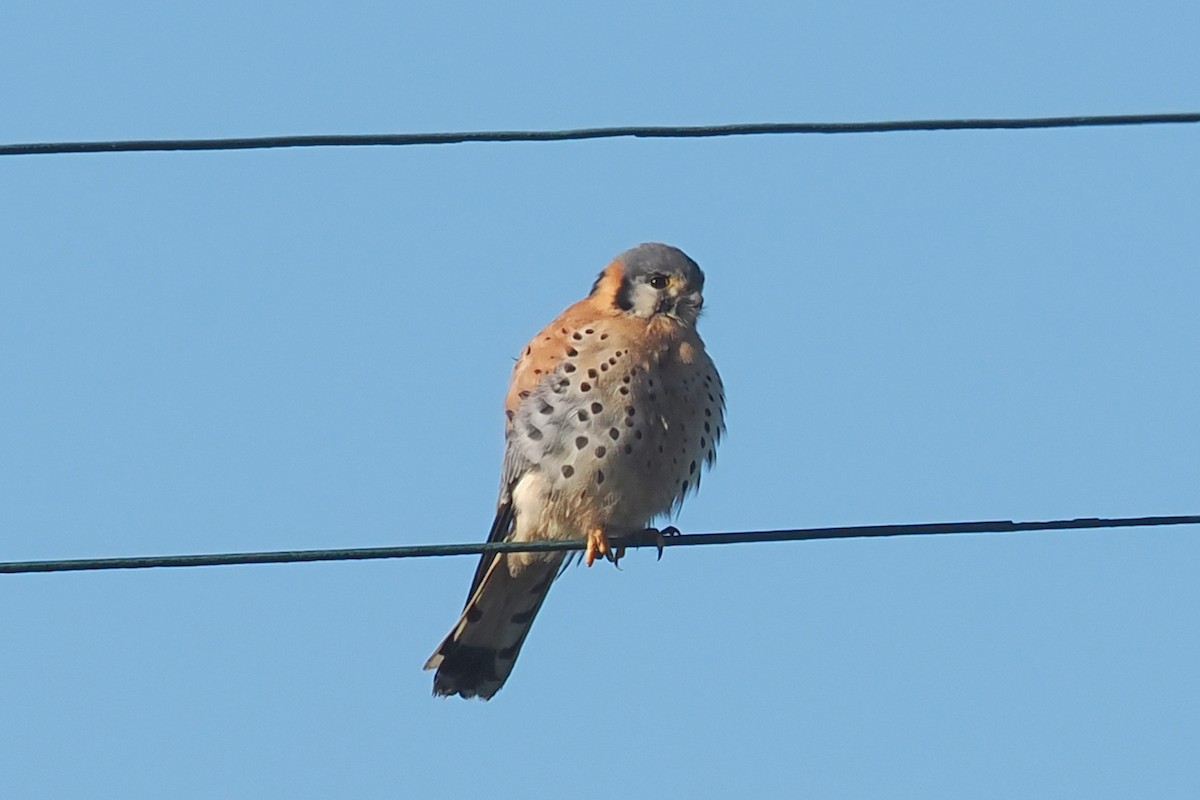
x=540, y=363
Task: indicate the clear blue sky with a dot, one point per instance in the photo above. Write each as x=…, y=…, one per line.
x=301, y=349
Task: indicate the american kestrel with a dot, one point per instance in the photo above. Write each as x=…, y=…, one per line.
x=612, y=412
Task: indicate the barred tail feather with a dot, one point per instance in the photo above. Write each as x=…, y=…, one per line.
x=475, y=659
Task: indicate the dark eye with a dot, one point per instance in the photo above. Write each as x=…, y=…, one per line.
x=659, y=281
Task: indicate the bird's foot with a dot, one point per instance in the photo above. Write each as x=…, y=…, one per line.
x=650, y=537
x=660, y=537
x=597, y=545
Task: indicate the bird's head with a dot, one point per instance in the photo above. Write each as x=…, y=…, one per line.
x=654, y=280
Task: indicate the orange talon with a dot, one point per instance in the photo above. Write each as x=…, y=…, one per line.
x=597, y=545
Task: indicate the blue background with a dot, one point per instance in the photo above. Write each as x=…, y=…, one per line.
x=207, y=352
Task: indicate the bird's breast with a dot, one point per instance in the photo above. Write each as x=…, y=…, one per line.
x=621, y=432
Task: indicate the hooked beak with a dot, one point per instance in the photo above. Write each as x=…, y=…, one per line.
x=686, y=305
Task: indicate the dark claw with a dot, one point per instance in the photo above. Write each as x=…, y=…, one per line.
x=655, y=536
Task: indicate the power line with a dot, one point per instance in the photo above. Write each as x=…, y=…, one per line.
x=640, y=131
x=646, y=540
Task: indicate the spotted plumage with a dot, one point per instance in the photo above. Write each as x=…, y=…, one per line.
x=614, y=409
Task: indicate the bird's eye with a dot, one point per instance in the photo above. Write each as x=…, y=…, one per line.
x=659, y=281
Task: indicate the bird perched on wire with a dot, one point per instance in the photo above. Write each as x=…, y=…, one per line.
x=613, y=410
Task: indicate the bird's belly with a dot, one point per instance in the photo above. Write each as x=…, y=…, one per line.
x=624, y=464
x=613, y=441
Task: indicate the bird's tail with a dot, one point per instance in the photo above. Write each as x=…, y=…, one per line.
x=477, y=656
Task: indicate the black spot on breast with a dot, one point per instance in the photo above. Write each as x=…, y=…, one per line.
x=585, y=387
x=708, y=412
x=703, y=443
x=628, y=449
x=599, y=476
x=707, y=428
x=637, y=434
x=683, y=489
x=629, y=422
x=546, y=408
x=597, y=408
x=593, y=374
x=474, y=614
x=604, y=367
x=603, y=336
x=588, y=331
x=577, y=336
x=509, y=413
x=614, y=434
x=630, y=410
x=524, y=395
x=568, y=470
x=601, y=451
x=581, y=442
x=692, y=468
x=623, y=390
x=572, y=352
x=533, y=433
x=583, y=415
x=568, y=368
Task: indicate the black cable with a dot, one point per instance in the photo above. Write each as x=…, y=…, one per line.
x=646, y=540
x=641, y=131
